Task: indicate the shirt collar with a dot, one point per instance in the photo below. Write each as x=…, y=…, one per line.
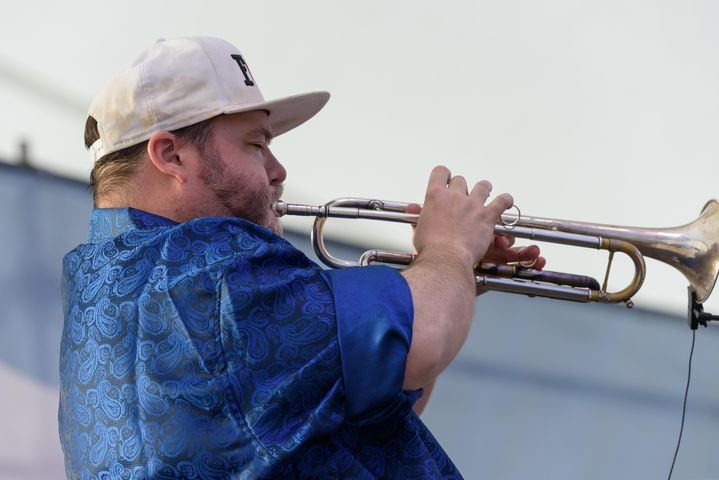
x=108, y=223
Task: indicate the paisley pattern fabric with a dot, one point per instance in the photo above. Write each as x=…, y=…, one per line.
x=213, y=349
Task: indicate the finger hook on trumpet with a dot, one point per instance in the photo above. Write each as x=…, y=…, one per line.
x=514, y=219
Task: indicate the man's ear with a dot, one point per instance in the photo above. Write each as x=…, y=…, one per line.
x=167, y=153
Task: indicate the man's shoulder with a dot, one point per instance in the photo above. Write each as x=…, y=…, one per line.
x=212, y=226
x=230, y=235
x=192, y=246
x=233, y=244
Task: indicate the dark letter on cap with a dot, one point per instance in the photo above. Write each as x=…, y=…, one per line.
x=245, y=69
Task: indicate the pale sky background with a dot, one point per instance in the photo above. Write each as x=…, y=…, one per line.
x=603, y=111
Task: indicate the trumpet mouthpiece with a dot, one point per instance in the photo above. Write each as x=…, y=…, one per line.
x=280, y=208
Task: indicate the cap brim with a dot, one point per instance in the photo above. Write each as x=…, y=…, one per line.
x=288, y=112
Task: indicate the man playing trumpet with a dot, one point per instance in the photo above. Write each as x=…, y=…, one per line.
x=200, y=344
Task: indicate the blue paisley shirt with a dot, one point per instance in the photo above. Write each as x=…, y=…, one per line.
x=213, y=349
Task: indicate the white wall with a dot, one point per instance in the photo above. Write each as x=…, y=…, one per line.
x=599, y=111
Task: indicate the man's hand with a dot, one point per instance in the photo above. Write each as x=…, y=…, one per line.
x=456, y=220
x=454, y=231
x=503, y=252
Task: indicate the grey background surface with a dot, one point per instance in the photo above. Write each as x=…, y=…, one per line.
x=542, y=389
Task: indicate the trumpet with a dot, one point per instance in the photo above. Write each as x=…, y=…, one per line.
x=693, y=249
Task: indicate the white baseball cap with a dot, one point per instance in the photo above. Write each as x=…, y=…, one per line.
x=180, y=82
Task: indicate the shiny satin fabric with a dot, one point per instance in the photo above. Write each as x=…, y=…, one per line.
x=214, y=349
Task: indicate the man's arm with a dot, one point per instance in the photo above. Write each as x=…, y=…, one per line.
x=454, y=231
x=422, y=402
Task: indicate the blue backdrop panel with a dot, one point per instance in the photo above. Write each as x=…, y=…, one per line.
x=542, y=389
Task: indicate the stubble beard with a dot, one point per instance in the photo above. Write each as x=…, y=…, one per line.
x=239, y=196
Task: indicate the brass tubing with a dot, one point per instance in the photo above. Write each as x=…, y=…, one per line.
x=624, y=295
x=693, y=249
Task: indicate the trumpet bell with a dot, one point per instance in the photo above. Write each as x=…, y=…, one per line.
x=694, y=251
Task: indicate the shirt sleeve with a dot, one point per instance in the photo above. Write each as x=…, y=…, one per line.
x=374, y=314
x=306, y=350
